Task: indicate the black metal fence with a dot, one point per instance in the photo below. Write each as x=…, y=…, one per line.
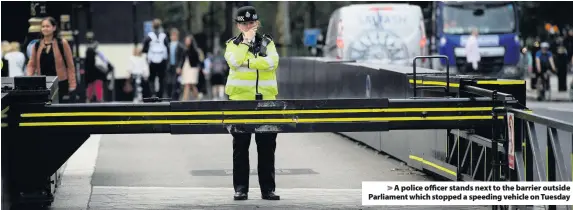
x=519, y=155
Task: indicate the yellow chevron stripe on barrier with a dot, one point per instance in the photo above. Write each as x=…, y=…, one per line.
x=262, y=112
x=501, y=82
x=436, y=166
x=5, y=112
x=422, y=82
x=482, y=82
x=261, y=121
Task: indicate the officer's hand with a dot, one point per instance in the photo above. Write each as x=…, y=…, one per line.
x=250, y=34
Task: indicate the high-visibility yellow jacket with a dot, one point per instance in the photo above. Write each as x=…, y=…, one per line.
x=243, y=66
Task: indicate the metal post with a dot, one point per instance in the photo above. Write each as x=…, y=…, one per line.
x=188, y=18
x=89, y=24
x=528, y=152
x=211, y=38
x=494, y=140
x=37, y=12
x=493, y=151
x=134, y=16
x=75, y=31
x=75, y=34
x=551, y=175
x=312, y=8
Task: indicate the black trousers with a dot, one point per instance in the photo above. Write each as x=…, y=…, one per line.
x=64, y=96
x=173, y=85
x=266, y=146
x=157, y=70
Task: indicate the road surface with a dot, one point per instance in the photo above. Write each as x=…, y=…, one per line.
x=554, y=95
x=314, y=171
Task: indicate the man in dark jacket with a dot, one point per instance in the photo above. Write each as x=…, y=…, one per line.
x=176, y=59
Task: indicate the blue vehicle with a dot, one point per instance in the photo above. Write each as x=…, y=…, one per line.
x=497, y=23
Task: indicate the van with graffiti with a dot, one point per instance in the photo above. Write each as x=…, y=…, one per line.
x=385, y=33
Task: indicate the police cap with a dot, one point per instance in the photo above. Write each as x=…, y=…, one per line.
x=245, y=14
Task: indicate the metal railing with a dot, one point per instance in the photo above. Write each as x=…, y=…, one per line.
x=529, y=159
x=519, y=154
x=447, y=87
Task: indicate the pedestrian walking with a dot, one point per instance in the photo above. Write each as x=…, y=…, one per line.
x=156, y=45
x=52, y=56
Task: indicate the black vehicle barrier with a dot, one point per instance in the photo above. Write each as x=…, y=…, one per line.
x=477, y=113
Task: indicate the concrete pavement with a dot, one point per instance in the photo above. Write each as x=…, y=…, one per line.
x=314, y=171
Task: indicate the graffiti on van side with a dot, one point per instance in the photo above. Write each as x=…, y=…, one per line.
x=378, y=45
x=379, y=19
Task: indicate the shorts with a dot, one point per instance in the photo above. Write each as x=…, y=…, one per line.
x=218, y=79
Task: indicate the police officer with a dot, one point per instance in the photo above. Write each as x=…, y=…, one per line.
x=253, y=60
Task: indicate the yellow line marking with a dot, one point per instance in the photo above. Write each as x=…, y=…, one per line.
x=501, y=82
x=423, y=82
x=262, y=112
x=308, y=120
x=484, y=82
x=441, y=168
x=133, y=122
x=86, y=114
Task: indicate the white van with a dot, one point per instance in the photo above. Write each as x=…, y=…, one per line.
x=386, y=33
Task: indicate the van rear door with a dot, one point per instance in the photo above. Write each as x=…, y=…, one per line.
x=387, y=33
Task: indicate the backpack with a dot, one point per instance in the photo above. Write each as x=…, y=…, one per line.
x=60, y=46
x=219, y=65
x=157, y=50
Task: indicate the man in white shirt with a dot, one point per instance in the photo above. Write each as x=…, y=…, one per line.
x=472, y=50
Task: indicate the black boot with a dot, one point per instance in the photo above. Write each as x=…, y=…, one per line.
x=271, y=196
x=241, y=196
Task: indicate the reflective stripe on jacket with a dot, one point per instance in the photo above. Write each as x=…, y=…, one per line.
x=243, y=67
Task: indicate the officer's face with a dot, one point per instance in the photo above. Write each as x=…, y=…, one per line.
x=245, y=26
x=47, y=28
